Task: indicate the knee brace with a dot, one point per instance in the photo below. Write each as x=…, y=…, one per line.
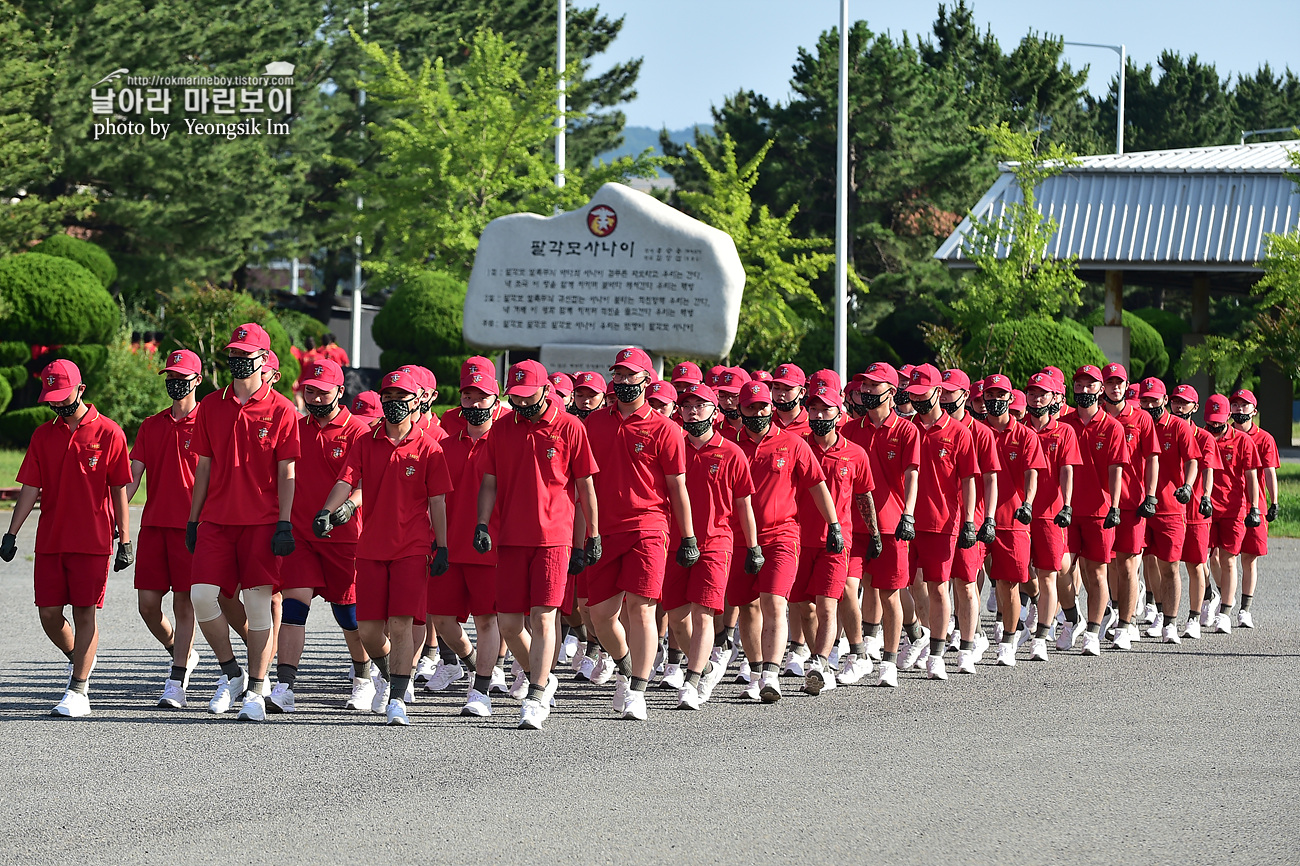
x=257, y=607
x=345, y=615
x=203, y=597
x=294, y=612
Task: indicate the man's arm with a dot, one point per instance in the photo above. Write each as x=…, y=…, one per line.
x=119, y=499
x=23, y=507
x=1252, y=488
x=1152, y=474
x=821, y=497
x=680, y=502
x=137, y=472
x=1067, y=483
x=487, y=497
x=910, y=475
x=968, y=499
x=339, y=492
x=284, y=485
x=748, y=526
x=866, y=504
x=202, y=475
x=438, y=517
x=1116, y=483
x=1270, y=484
x=990, y=490
x=1190, y=470
x=588, y=523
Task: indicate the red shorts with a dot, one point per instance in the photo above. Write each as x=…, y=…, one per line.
x=1010, y=552
x=1088, y=538
x=704, y=583
x=629, y=562
x=464, y=591
x=932, y=554
x=393, y=587
x=858, y=554
x=1255, y=541
x=966, y=564
x=162, y=562
x=780, y=563
x=1196, y=543
x=235, y=557
x=1227, y=533
x=529, y=577
x=1164, y=539
x=328, y=567
x=820, y=573
x=1131, y=534
x=1046, y=545
x=78, y=579
x=889, y=570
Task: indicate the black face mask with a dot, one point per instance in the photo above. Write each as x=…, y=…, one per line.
x=1083, y=401
x=757, y=423
x=627, y=392
x=1185, y=416
x=178, y=388
x=475, y=417
x=396, y=411
x=67, y=411
x=1038, y=411
x=528, y=411
x=699, y=429
x=1107, y=398
x=241, y=368
x=923, y=407
x=1155, y=412
x=950, y=408
x=872, y=401
x=822, y=426
x=786, y=406
x=425, y=406
x=995, y=406
x=1216, y=429
x=979, y=416
x=1241, y=418
x=323, y=410
x=902, y=400
x=854, y=409
x=580, y=414
x=1055, y=408
x=732, y=414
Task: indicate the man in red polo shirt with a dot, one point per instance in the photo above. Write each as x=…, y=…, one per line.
x=562, y=384
x=323, y=561
x=643, y=464
x=663, y=399
x=451, y=421
x=588, y=394
x=686, y=373
x=1236, y=511
x=789, y=386
x=1183, y=403
x=162, y=450
x=1244, y=409
x=246, y=436
x=862, y=637
x=1095, y=504
x=366, y=407
x=1137, y=503
x=77, y=464
x=535, y=465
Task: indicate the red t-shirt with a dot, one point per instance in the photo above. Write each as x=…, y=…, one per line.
x=246, y=443
x=1019, y=450
x=397, y=481
x=636, y=455
x=1238, y=455
x=1101, y=446
x=1060, y=447
x=465, y=462
x=74, y=470
x=1177, y=446
x=1209, y=459
x=452, y=422
x=428, y=425
x=947, y=458
x=1140, y=438
x=986, y=455
x=781, y=466
x=1266, y=447
x=324, y=454
x=163, y=446
x=536, y=464
x=799, y=426
x=335, y=353
x=717, y=474
x=893, y=447
x=848, y=474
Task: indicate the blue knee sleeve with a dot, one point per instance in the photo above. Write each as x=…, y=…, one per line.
x=345, y=615
x=294, y=612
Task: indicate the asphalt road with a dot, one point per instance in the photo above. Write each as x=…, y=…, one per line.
x=1161, y=755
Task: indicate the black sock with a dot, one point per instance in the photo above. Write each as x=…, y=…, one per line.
x=178, y=674
x=888, y=657
x=639, y=684
x=936, y=646
x=873, y=629
x=858, y=649
x=580, y=632
x=397, y=685
x=1160, y=609
x=1245, y=601
x=429, y=651
x=81, y=687
x=470, y=661
x=1071, y=615
x=693, y=678
x=360, y=670
x=444, y=651
x=593, y=648
x=968, y=645
x=68, y=653
x=795, y=647
x=1123, y=623
x=286, y=674
x=770, y=667
x=819, y=660
x=676, y=657
x=1094, y=628
x=913, y=630
x=1209, y=590
x=624, y=665
x=720, y=638
x=255, y=685
x=1042, y=631
x=381, y=665
x=565, y=630
x=1025, y=598
x=482, y=683
x=1151, y=598
x=231, y=669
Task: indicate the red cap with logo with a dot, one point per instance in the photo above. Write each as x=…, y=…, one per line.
x=704, y=392
x=272, y=360
x=249, y=337
x=1018, y=402
x=633, y=359
x=1244, y=395
x=714, y=372
x=322, y=373
x=59, y=379
x=418, y=373
x=977, y=390
x=1045, y=381
x=1186, y=392
x=732, y=380
x=1217, y=410
x=590, y=380
x=402, y=379
x=997, y=382
x=760, y=376
x=905, y=374
x=879, y=372
x=664, y=392
x=755, y=392
x=686, y=372
x=789, y=374
x=561, y=382
x=525, y=378
x=1152, y=387
x=825, y=385
x=183, y=361
x=478, y=364
x=955, y=380
x=855, y=384
x=923, y=380
x=367, y=405
x=480, y=378
x=1131, y=392
x=1055, y=371
x=1114, y=371
x=1089, y=371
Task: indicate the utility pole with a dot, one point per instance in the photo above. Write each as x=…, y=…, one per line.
x=842, y=204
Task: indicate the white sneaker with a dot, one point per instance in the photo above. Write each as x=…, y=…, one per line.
x=619, y=701
x=578, y=657
x=635, y=707
x=226, y=694
x=395, y=714
x=363, y=694
x=688, y=697
x=73, y=706
x=1222, y=624
x=1108, y=619
x=498, y=683
x=425, y=668
x=1069, y=635
x=444, y=676
x=266, y=689
x=674, y=677
x=997, y=632
x=281, y=700
x=519, y=688
x=1149, y=615
x=254, y=708
x=770, y=689
x=744, y=673
x=604, y=671
x=1026, y=635
x=1007, y=655
x=815, y=680
x=1193, y=629
x=935, y=668
x=477, y=704
x=751, y=691
x=794, y=664
x=661, y=656
x=532, y=714
x=917, y=652
x=888, y=675
x=992, y=604
x=981, y=646
x=954, y=639
x=551, y=687
x=379, y=703
x=190, y=664
x=1038, y=651
x=568, y=648
x=965, y=661
x=1245, y=619
x=1156, y=628
x=718, y=658
x=1091, y=644
x=1210, y=609
x=854, y=669
x=173, y=695
x=1123, y=639
x=838, y=652
x=67, y=672
x=408, y=697
x=1170, y=634
x=586, y=668
x=708, y=682
x=875, y=646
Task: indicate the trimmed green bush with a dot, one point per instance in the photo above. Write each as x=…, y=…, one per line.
x=14, y=352
x=17, y=427
x=54, y=301
x=16, y=376
x=422, y=324
x=1146, y=349
x=6, y=393
x=90, y=256
x=817, y=351
x=1029, y=346
x=1170, y=326
x=298, y=324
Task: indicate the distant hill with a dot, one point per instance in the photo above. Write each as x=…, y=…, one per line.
x=638, y=138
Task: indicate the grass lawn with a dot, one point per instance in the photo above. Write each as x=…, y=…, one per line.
x=12, y=458
x=1287, y=524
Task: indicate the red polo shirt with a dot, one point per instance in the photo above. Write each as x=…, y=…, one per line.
x=782, y=466
x=1101, y=446
x=325, y=451
x=428, y=424
x=986, y=455
x=894, y=446
x=1266, y=448
x=717, y=474
x=1019, y=450
x=947, y=458
x=75, y=470
x=1237, y=454
x=246, y=441
x=452, y=422
x=536, y=464
x=1060, y=447
x=465, y=462
x=1140, y=438
x=847, y=471
x=1209, y=459
x=799, y=426
x=397, y=480
x=164, y=446
x=1177, y=446
x=636, y=454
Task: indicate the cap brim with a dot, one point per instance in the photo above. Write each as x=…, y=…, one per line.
x=56, y=396
x=325, y=386
x=245, y=347
x=522, y=390
x=1089, y=376
x=186, y=370
x=919, y=390
x=789, y=383
x=950, y=386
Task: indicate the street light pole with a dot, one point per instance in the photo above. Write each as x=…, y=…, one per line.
x=560, y=63
x=355, y=355
x=842, y=203
x=1123, y=66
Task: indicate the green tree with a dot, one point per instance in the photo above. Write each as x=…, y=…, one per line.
x=1188, y=105
x=1268, y=101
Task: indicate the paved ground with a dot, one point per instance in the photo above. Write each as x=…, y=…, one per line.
x=1162, y=755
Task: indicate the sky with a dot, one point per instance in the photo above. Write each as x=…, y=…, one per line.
x=697, y=52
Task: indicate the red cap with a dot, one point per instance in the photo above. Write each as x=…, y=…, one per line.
x=634, y=359
x=272, y=360
x=1245, y=396
x=977, y=390
x=1131, y=392
x=714, y=372
x=923, y=379
x=731, y=380
x=955, y=380
x=662, y=391
x=855, y=384
x=478, y=364
x=789, y=374
x=430, y=380
x=249, y=337
x=1186, y=392
x=322, y=373
x=367, y=405
x=58, y=380
x=905, y=374
x=1152, y=387
x=1046, y=382
x=1017, y=400
x=1114, y=371
x=589, y=380
x=1088, y=371
x=686, y=372
x=755, y=392
x=760, y=376
x=1055, y=371
x=561, y=382
x=825, y=385
x=704, y=392
x=420, y=374
x=1217, y=410
x=403, y=379
x=474, y=376
x=997, y=380
x=183, y=361
x=525, y=378
x=879, y=372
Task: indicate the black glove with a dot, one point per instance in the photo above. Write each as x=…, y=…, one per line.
x=1064, y=516
x=1207, y=507
x=988, y=531
x=1024, y=514
x=1184, y=494
x=483, y=540
x=754, y=560
x=1252, y=518
x=1148, y=507
x=282, y=541
x=593, y=550
x=834, y=539
x=191, y=535
x=688, y=553
x=875, y=547
x=9, y=547
x=906, y=530
x=439, y=566
x=1271, y=514
x=323, y=523
x=1112, y=519
x=577, y=560
x=344, y=512
x=125, y=556
x=968, y=536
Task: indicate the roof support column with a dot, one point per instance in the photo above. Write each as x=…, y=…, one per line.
x=1111, y=336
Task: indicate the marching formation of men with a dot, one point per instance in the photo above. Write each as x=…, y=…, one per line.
x=642, y=531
